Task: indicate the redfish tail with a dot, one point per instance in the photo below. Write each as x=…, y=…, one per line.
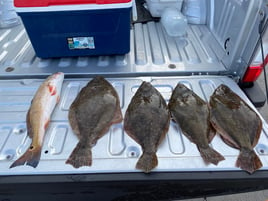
x=31, y=157
x=147, y=162
x=210, y=155
x=81, y=156
x=248, y=160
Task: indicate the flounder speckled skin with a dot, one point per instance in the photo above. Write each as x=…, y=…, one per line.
x=91, y=114
x=147, y=121
x=192, y=115
x=238, y=124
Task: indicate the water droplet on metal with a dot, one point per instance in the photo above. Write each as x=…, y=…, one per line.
x=19, y=130
x=26, y=82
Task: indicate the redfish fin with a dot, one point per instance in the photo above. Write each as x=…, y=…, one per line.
x=147, y=162
x=249, y=161
x=210, y=155
x=81, y=156
x=31, y=157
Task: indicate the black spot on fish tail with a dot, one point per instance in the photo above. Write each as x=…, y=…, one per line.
x=81, y=156
x=31, y=157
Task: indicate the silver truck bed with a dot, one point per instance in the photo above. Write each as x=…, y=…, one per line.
x=152, y=52
x=154, y=57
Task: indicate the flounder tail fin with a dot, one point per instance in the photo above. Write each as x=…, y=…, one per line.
x=31, y=157
x=81, y=156
x=210, y=155
x=248, y=160
x=147, y=162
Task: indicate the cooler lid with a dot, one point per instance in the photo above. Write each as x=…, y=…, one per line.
x=46, y=3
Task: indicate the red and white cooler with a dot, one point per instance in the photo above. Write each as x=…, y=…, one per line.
x=62, y=28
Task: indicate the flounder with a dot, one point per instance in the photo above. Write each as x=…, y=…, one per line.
x=91, y=114
x=147, y=122
x=238, y=124
x=192, y=115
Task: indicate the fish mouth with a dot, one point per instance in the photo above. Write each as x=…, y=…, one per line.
x=222, y=89
x=146, y=84
x=58, y=74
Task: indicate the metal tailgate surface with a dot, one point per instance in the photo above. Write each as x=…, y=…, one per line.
x=116, y=151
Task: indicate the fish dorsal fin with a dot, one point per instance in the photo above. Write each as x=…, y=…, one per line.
x=28, y=123
x=255, y=140
x=211, y=133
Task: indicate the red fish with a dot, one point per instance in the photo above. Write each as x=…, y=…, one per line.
x=38, y=118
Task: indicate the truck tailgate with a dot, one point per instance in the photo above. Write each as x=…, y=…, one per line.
x=115, y=152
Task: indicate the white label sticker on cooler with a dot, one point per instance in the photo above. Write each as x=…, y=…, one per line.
x=81, y=43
